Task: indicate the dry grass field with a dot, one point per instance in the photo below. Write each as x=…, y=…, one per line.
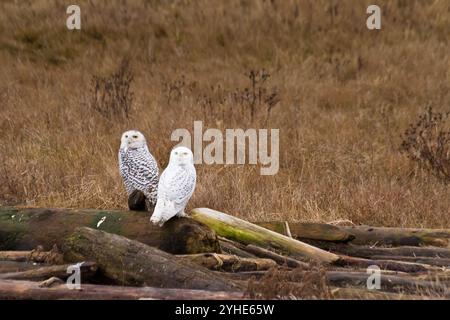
x=342, y=97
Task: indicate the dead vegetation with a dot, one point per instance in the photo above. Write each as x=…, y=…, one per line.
x=297, y=284
x=427, y=142
x=112, y=96
x=339, y=152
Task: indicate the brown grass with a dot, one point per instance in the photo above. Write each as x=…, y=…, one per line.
x=345, y=95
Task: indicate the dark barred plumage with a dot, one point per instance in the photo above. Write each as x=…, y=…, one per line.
x=139, y=171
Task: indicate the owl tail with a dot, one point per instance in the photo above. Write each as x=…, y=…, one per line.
x=164, y=210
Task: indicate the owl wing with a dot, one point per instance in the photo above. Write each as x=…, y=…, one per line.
x=139, y=171
x=175, y=188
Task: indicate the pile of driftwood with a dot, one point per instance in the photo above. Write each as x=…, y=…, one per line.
x=212, y=255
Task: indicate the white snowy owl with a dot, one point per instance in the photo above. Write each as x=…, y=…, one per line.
x=138, y=167
x=176, y=186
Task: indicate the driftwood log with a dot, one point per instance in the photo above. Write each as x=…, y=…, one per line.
x=133, y=263
x=39, y=256
x=231, y=247
x=393, y=265
x=16, y=266
x=228, y=263
x=362, y=235
x=439, y=262
x=27, y=290
x=388, y=282
x=364, y=251
x=252, y=251
x=348, y=293
x=309, y=230
x=87, y=270
x=365, y=235
x=278, y=258
x=25, y=229
x=247, y=233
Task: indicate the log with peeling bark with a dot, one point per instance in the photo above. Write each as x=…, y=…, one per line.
x=25, y=229
x=87, y=270
x=248, y=233
x=27, y=290
x=366, y=235
x=309, y=230
x=228, y=263
x=133, y=263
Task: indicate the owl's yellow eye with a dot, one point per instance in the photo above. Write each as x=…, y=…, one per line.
x=135, y=137
x=185, y=153
x=126, y=136
x=176, y=153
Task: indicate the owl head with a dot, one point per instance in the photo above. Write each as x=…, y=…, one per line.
x=181, y=156
x=132, y=139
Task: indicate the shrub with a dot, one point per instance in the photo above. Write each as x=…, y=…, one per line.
x=111, y=96
x=427, y=142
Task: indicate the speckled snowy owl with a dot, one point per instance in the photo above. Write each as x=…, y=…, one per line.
x=176, y=186
x=138, y=167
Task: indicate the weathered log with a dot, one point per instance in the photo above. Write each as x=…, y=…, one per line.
x=393, y=265
x=346, y=278
x=278, y=258
x=350, y=293
x=27, y=290
x=242, y=277
x=231, y=247
x=130, y=262
x=215, y=261
x=309, y=230
x=16, y=266
x=387, y=283
x=443, y=276
x=364, y=270
x=87, y=270
x=399, y=236
x=25, y=229
x=255, y=251
x=422, y=260
x=50, y=282
x=363, y=251
x=247, y=233
x=39, y=256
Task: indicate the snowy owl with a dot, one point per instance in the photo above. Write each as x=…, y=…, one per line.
x=139, y=170
x=176, y=186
